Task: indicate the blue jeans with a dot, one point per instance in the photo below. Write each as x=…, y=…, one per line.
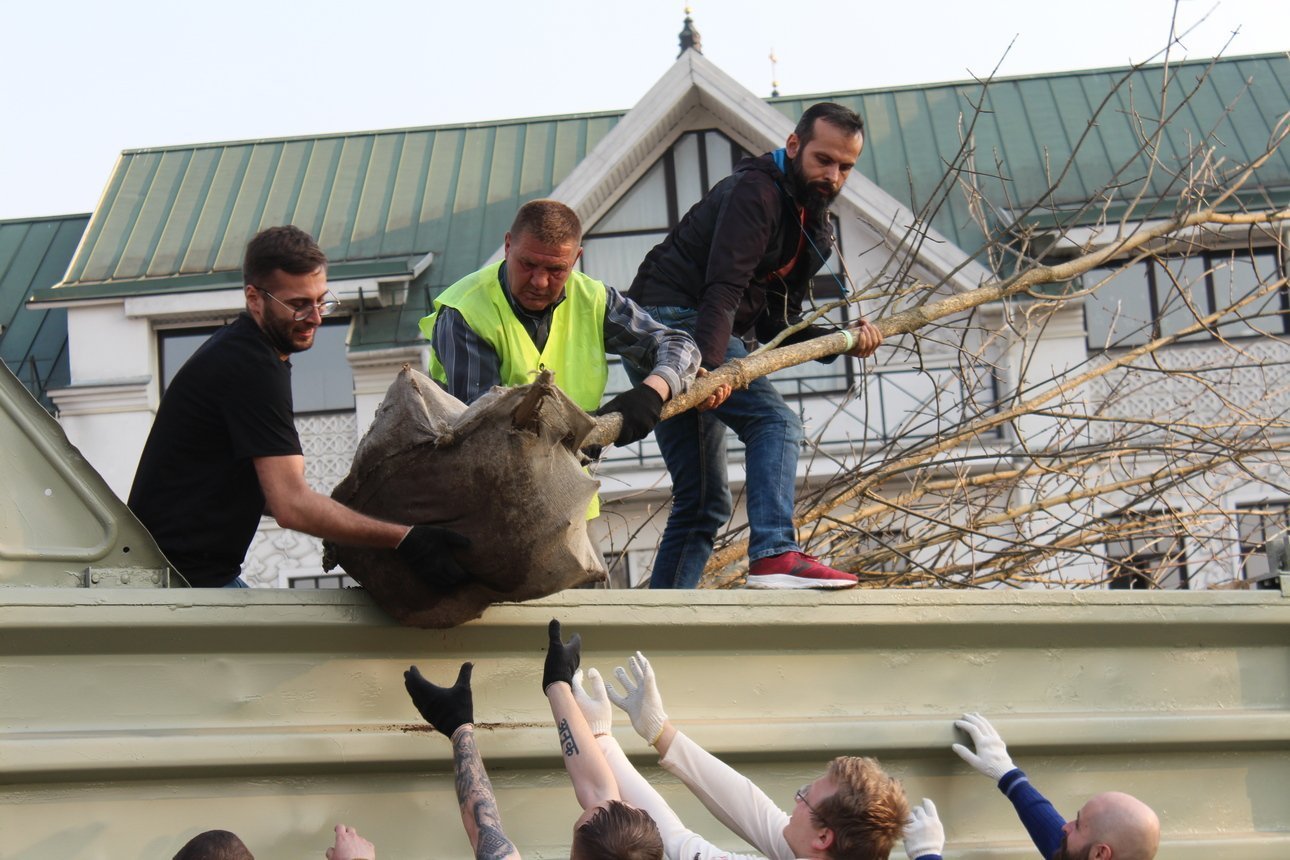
x=237, y=583
x=694, y=449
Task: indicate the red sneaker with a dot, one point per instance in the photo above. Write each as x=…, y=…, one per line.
x=796, y=570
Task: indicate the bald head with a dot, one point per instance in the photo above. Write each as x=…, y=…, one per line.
x=1115, y=821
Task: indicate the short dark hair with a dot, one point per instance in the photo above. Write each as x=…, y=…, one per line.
x=287, y=248
x=618, y=832
x=868, y=811
x=548, y=221
x=214, y=845
x=842, y=118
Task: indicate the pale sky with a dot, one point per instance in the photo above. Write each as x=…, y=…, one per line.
x=84, y=80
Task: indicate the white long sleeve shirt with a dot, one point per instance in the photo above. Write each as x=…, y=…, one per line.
x=679, y=842
x=733, y=799
x=730, y=796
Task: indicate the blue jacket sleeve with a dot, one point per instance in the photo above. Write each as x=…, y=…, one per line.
x=1041, y=819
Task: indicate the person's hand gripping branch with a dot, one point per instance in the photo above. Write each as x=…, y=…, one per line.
x=640, y=407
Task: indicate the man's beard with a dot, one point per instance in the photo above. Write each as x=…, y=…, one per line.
x=279, y=334
x=1063, y=853
x=814, y=198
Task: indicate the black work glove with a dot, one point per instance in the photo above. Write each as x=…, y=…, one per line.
x=640, y=408
x=428, y=551
x=445, y=708
x=561, y=660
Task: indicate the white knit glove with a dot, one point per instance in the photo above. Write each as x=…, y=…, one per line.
x=594, y=705
x=642, y=701
x=924, y=833
x=991, y=756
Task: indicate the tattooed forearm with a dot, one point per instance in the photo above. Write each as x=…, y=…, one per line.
x=567, y=742
x=479, y=812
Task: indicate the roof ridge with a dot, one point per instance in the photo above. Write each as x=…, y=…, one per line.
x=336, y=135
x=1032, y=76
x=36, y=219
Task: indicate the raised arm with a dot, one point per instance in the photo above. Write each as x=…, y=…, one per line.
x=924, y=833
x=350, y=846
x=593, y=781
x=732, y=798
x=451, y=711
x=678, y=841
x=1042, y=820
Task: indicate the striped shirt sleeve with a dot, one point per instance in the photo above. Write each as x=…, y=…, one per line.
x=471, y=365
x=649, y=345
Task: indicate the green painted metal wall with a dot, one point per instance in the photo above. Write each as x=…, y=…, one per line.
x=131, y=721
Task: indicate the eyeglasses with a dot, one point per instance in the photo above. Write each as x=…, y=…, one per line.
x=801, y=796
x=304, y=308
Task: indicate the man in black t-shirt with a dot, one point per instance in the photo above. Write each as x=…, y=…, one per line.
x=223, y=449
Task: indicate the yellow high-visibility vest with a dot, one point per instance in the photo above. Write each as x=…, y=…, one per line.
x=575, y=346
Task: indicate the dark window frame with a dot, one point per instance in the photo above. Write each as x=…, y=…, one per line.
x=1278, y=519
x=1159, y=287
x=163, y=376
x=1145, y=566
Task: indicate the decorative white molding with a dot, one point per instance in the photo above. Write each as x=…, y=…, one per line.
x=132, y=395
x=1211, y=377
x=172, y=307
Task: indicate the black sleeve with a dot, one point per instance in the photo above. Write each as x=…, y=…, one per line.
x=744, y=227
x=780, y=313
x=258, y=413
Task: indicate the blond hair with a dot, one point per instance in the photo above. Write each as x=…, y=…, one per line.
x=867, y=813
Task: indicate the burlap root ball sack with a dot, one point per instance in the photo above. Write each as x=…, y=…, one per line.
x=504, y=472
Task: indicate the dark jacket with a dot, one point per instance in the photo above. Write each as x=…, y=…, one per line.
x=723, y=257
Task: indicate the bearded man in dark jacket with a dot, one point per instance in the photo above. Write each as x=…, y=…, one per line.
x=740, y=264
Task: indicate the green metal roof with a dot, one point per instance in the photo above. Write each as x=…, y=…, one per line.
x=1033, y=124
x=34, y=253
x=177, y=218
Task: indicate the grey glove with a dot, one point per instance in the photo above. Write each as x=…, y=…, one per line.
x=594, y=705
x=991, y=756
x=924, y=833
x=641, y=700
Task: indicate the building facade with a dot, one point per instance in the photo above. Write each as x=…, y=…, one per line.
x=404, y=213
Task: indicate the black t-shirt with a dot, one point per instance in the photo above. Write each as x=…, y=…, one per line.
x=196, y=488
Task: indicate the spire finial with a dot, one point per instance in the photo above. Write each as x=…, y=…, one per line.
x=774, y=77
x=690, y=35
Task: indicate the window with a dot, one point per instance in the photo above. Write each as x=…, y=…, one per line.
x=321, y=378
x=1257, y=524
x=1143, y=551
x=339, y=580
x=1159, y=297
x=614, y=247
x=619, y=565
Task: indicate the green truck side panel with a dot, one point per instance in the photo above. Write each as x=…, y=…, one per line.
x=131, y=721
